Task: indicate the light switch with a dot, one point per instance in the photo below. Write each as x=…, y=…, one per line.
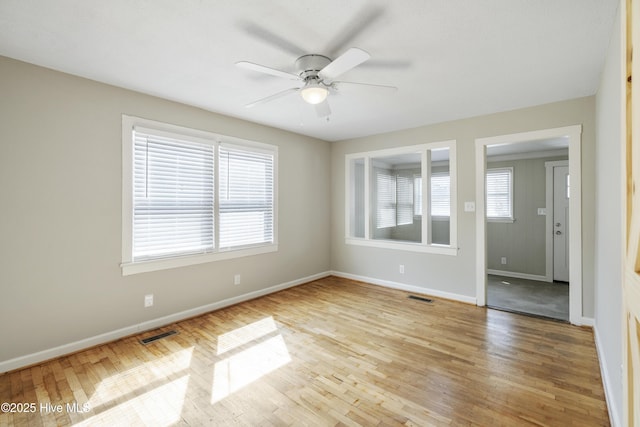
x=469, y=206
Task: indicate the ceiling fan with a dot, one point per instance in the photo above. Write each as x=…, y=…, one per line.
x=317, y=74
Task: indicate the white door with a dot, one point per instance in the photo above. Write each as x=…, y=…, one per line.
x=561, y=194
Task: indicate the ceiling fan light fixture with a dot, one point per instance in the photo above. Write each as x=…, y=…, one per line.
x=314, y=93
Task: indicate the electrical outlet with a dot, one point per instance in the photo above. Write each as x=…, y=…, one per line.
x=236, y=279
x=503, y=260
x=401, y=268
x=148, y=300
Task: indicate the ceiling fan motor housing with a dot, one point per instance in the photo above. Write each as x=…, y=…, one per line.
x=308, y=66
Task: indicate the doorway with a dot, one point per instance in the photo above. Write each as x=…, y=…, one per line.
x=541, y=143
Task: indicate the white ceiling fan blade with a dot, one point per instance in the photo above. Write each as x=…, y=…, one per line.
x=322, y=109
x=343, y=63
x=272, y=97
x=266, y=70
x=264, y=35
x=340, y=85
x=365, y=18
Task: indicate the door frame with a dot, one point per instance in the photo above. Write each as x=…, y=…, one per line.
x=549, y=222
x=573, y=133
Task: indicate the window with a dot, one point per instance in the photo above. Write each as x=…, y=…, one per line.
x=500, y=194
x=191, y=196
x=385, y=193
x=245, y=197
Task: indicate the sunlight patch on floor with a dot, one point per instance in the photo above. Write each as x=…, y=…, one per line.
x=161, y=406
x=142, y=395
x=245, y=334
x=128, y=382
x=249, y=365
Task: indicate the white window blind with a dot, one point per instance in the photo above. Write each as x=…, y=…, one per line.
x=385, y=199
x=500, y=193
x=440, y=194
x=245, y=196
x=173, y=196
x=404, y=191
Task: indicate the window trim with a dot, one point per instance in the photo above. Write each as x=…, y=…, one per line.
x=129, y=266
x=503, y=219
x=424, y=246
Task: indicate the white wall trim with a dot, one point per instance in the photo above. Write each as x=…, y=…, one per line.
x=406, y=287
x=531, y=155
x=52, y=353
x=614, y=414
x=517, y=275
x=574, y=133
x=587, y=321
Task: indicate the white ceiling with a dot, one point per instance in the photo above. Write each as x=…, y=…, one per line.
x=450, y=59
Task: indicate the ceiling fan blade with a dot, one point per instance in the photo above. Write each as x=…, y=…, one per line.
x=343, y=63
x=322, y=109
x=265, y=35
x=364, y=18
x=266, y=70
x=388, y=64
x=340, y=85
x=272, y=97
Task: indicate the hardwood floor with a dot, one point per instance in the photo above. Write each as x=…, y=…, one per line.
x=331, y=352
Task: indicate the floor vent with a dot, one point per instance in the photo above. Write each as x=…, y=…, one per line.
x=420, y=298
x=146, y=341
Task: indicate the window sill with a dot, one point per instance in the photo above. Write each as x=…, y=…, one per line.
x=504, y=220
x=404, y=246
x=130, y=268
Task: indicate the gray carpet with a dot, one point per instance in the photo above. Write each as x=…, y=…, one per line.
x=529, y=296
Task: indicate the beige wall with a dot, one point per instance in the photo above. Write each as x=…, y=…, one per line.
x=456, y=274
x=60, y=228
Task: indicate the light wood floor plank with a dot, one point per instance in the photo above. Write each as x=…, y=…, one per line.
x=330, y=352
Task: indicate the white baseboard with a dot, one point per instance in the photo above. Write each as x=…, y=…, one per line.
x=614, y=415
x=587, y=321
x=408, y=288
x=516, y=275
x=41, y=356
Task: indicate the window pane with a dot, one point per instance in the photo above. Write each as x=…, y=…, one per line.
x=393, y=199
x=440, y=195
x=440, y=202
x=357, y=218
x=173, y=197
x=245, y=197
